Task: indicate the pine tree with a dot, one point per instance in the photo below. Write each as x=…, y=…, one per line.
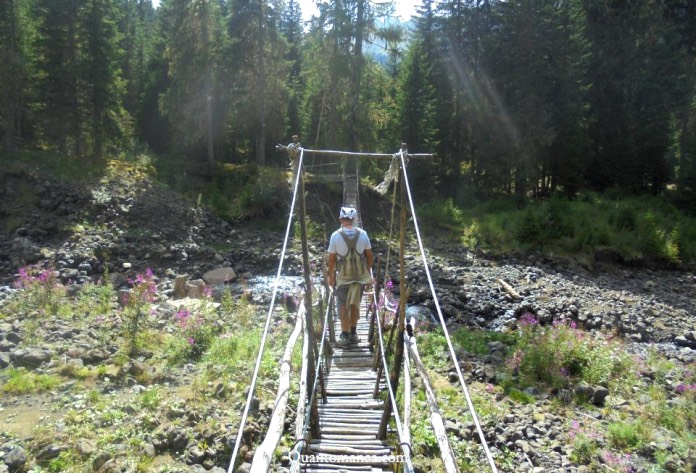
x=56, y=94
x=11, y=74
x=104, y=87
x=193, y=37
x=291, y=29
x=632, y=110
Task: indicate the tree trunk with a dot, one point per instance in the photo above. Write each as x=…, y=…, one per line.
x=261, y=132
x=357, y=77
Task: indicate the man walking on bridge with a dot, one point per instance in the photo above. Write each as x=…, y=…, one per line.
x=350, y=252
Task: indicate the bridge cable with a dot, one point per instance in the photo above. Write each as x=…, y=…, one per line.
x=397, y=419
x=444, y=327
x=318, y=365
x=276, y=283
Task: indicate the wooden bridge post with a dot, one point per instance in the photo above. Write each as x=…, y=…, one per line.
x=309, y=319
x=371, y=331
x=403, y=296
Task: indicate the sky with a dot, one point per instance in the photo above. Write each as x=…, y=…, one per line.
x=404, y=8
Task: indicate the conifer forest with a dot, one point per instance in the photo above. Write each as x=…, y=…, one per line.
x=518, y=97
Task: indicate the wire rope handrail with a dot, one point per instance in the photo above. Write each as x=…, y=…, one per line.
x=319, y=364
x=397, y=419
x=276, y=284
x=444, y=326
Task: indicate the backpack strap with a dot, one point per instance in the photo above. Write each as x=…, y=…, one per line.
x=350, y=242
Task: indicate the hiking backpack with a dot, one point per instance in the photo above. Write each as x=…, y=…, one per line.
x=352, y=267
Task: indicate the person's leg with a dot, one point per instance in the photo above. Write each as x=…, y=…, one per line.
x=354, y=316
x=343, y=312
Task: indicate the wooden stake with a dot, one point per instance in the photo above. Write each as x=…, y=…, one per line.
x=399, y=354
x=311, y=368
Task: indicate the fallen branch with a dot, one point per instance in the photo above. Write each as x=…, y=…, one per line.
x=509, y=290
x=264, y=453
x=435, y=416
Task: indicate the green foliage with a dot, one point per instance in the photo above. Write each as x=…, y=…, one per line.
x=21, y=381
x=476, y=341
x=137, y=305
x=626, y=436
x=520, y=397
x=96, y=298
x=197, y=329
x=41, y=290
x=442, y=213
x=246, y=193
x=150, y=399
x=648, y=230
x=561, y=355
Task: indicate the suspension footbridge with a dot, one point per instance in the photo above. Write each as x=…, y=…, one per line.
x=348, y=418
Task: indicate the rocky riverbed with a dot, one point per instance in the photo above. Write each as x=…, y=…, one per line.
x=118, y=228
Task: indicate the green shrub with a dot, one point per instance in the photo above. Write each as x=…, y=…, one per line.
x=21, y=381
x=529, y=229
x=41, y=290
x=442, y=213
x=561, y=355
x=625, y=436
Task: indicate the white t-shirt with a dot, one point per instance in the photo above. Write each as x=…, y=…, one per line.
x=338, y=245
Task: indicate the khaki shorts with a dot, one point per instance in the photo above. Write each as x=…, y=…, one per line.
x=342, y=294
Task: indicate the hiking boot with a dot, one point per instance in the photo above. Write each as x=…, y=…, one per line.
x=343, y=341
x=354, y=339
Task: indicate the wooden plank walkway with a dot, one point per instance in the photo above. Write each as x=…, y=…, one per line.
x=350, y=418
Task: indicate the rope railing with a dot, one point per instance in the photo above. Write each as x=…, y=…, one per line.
x=444, y=326
x=276, y=284
x=295, y=466
x=397, y=419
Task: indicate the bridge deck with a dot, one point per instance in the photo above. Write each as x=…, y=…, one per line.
x=350, y=418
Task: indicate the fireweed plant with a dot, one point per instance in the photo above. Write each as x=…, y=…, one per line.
x=137, y=304
x=41, y=289
x=561, y=355
x=197, y=328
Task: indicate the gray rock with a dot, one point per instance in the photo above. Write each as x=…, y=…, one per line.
x=16, y=459
x=30, y=358
x=13, y=337
x=85, y=447
x=219, y=276
x=49, y=452
x=584, y=391
x=599, y=396
x=4, y=360
x=149, y=450
x=244, y=468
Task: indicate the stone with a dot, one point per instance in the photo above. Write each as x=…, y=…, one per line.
x=16, y=458
x=220, y=276
x=584, y=391
x=599, y=396
x=85, y=447
x=30, y=358
x=4, y=360
x=244, y=468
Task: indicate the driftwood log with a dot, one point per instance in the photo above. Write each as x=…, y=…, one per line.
x=435, y=417
x=509, y=289
x=264, y=453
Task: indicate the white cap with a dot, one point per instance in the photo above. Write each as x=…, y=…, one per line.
x=348, y=212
